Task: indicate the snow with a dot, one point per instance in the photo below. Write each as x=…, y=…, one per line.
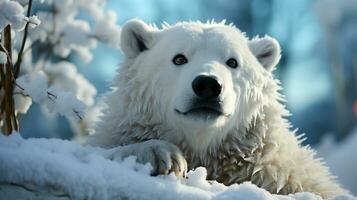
x=65, y=75
x=22, y=103
x=95, y=7
x=107, y=30
x=84, y=172
x=3, y=58
x=65, y=103
x=68, y=28
x=11, y=12
x=34, y=21
x=67, y=33
x=76, y=33
x=341, y=159
x=35, y=85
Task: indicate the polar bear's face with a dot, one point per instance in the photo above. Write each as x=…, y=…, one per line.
x=199, y=77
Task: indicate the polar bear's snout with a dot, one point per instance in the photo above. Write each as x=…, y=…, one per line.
x=206, y=87
x=206, y=101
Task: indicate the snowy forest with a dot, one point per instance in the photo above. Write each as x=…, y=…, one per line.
x=58, y=58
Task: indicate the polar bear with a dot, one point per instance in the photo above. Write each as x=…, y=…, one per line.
x=202, y=94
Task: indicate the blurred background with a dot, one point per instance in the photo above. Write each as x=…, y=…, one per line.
x=318, y=69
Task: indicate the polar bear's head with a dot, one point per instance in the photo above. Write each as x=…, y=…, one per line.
x=202, y=79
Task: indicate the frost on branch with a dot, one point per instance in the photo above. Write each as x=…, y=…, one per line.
x=35, y=86
x=42, y=45
x=66, y=33
x=75, y=36
x=106, y=29
x=65, y=103
x=33, y=21
x=65, y=75
x=22, y=103
x=11, y=12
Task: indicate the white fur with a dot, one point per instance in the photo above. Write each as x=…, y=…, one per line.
x=250, y=142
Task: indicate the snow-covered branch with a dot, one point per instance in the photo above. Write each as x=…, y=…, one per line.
x=54, y=30
x=12, y=12
x=35, y=86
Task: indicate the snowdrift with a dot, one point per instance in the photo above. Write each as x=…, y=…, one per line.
x=59, y=169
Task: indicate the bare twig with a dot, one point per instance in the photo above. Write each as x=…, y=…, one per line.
x=51, y=96
x=77, y=114
x=7, y=102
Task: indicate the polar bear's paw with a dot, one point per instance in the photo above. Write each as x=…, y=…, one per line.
x=163, y=156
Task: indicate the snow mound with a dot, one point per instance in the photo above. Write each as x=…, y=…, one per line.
x=68, y=170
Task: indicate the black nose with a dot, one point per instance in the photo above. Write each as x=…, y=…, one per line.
x=206, y=87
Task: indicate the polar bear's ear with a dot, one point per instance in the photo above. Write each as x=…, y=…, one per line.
x=266, y=50
x=136, y=36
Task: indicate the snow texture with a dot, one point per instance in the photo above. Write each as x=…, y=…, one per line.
x=86, y=173
x=22, y=103
x=65, y=75
x=65, y=103
x=35, y=85
x=11, y=12
x=34, y=21
x=107, y=30
x=65, y=27
x=67, y=33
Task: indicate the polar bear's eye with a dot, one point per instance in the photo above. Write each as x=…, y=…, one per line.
x=179, y=59
x=232, y=63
